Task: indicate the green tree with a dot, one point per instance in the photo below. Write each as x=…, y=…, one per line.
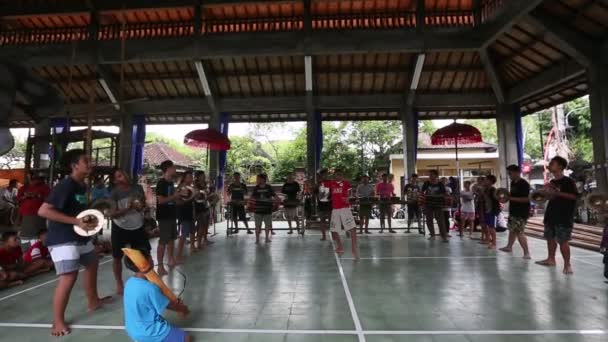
x=373, y=141
x=427, y=127
x=486, y=127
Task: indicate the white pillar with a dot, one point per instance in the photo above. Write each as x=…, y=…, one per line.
x=507, y=141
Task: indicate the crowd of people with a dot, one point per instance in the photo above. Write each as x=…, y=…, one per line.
x=184, y=212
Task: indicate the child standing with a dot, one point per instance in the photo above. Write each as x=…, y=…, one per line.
x=166, y=214
x=185, y=216
x=144, y=304
x=467, y=209
x=68, y=249
x=341, y=215
x=265, y=197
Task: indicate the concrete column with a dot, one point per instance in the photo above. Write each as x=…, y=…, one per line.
x=41, y=148
x=598, y=99
x=214, y=163
x=311, y=138
x=507, y=140
x=125, y=141
x=409, y=126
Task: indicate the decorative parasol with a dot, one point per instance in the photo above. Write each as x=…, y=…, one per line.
x=455, y=134
x=208, y=138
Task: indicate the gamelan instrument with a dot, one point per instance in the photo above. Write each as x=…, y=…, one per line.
x=364, y=200
x=104, y=205
x=291, y=203
x=252, y=204
x=390, y=200
x=502, y=195
x=597, y=202
x=144, y=267
x=187, y=193
x=237, y=203
x=538, y=197
x=93, y=217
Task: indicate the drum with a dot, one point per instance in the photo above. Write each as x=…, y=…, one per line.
x=91, y=216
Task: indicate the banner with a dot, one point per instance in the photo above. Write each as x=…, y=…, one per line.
x=319, y=139
x=519, y=135
x=224, y=123
x=139, y=140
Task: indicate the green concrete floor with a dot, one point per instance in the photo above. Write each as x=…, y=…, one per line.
x=404, y=289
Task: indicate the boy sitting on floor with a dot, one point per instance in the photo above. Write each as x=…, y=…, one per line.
x=144, y=304
x=11, y=258
x=38, y=252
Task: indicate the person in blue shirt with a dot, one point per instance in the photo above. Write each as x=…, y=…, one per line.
x=99, y=190
x=144, y=304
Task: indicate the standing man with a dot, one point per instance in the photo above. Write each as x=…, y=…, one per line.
x=167, y=200
x=237, y=192
x=385, y=191
x=519, y=210
x=559, y=215
x=492, y=207
x=341, y=215
x=411, y=193
x=68, y=249
x=323, y=194
x=291, y=189
x=434, y=202
x=264, y=198
x=30, y=198
x=365, y=191
x=201, y=210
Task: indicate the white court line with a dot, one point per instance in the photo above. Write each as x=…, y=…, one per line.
x=45, y=283
x=349, y=298
x=586, y=262
x=434, y=257
x=334, y=332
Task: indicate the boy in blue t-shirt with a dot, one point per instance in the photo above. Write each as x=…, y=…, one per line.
x=144, y=304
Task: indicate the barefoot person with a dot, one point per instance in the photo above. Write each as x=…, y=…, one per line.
x=237, y=192
x=30, y=198
x=144, y=304
x=68, y=249
x=323, y=201
x=519, y=211
x=492, y=209
x=166, y=214
x=127, y=221
x=559, y=215
x=185, y=217
x=341, y=215
x=412, y=192
x=201, y=211
x=291, y=189
x=264, y=198
x=365, y=191
x=434, y=201
x=385, y=190
x=467, y=209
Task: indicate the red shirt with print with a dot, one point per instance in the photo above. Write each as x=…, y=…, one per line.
x=339, y=194
x=36, y=251
x=31, y=197
x=9, y=257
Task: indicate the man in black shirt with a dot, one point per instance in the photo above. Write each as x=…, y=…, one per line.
x=264, y=202
x=237, y=192
x=166, y=213
x=559, y=215
x=434, y=202
x=68, y=249
x=519, y=210
x=411, y=193
x=185, y=217
x=291, y=189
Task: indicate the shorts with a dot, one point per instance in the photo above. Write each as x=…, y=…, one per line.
x=263, y=218
x=175, y=335
x=559, y=232
x=467, y=216
x=413, y=210
x=237, y=212
x=516, y=224
x=291, y=213
x=365, y=210
x=186, y=228
x=203, y=218
x=30, y=226
x=68, y=257
x=324, y=209
x=342, y=218
x=168, y=231
x=136, y=239
x=386, y=210
x=490, y=220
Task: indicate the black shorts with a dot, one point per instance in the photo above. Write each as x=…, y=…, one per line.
x=168, y=231
x=238, y=213
x=136, y=239
x=413, y=210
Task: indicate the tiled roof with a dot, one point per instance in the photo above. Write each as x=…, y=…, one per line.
x=156, y=153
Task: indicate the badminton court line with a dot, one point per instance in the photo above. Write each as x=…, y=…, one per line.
x=432, y=257
x=43, y=284
x=599, y=332
x=349, y=298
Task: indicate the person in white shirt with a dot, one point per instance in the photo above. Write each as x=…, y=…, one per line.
x=467, y=209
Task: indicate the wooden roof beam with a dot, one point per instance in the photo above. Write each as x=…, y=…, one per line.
x=493, y=75
x=510, y=12
x=544, y=81
x=570, y=42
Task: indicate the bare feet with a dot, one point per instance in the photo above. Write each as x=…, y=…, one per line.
x=161, y=271
x=324, y=238
x=268, y=240
x=492, y=246
x=99, y=303
x=178, y=261
x=339, y=251
x=431, y=238
x=546, y=262
x=527, y=257
x=568, y=270
x=506, y=250
x=60, y=329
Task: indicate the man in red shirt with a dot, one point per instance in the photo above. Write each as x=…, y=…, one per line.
x=30, y=197
x=341, y=215
x=385, y=191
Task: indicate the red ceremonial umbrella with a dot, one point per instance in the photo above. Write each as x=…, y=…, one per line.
x=455, y=134
x=209, y=138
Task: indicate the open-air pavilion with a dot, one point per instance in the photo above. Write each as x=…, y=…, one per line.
x=132, y=63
